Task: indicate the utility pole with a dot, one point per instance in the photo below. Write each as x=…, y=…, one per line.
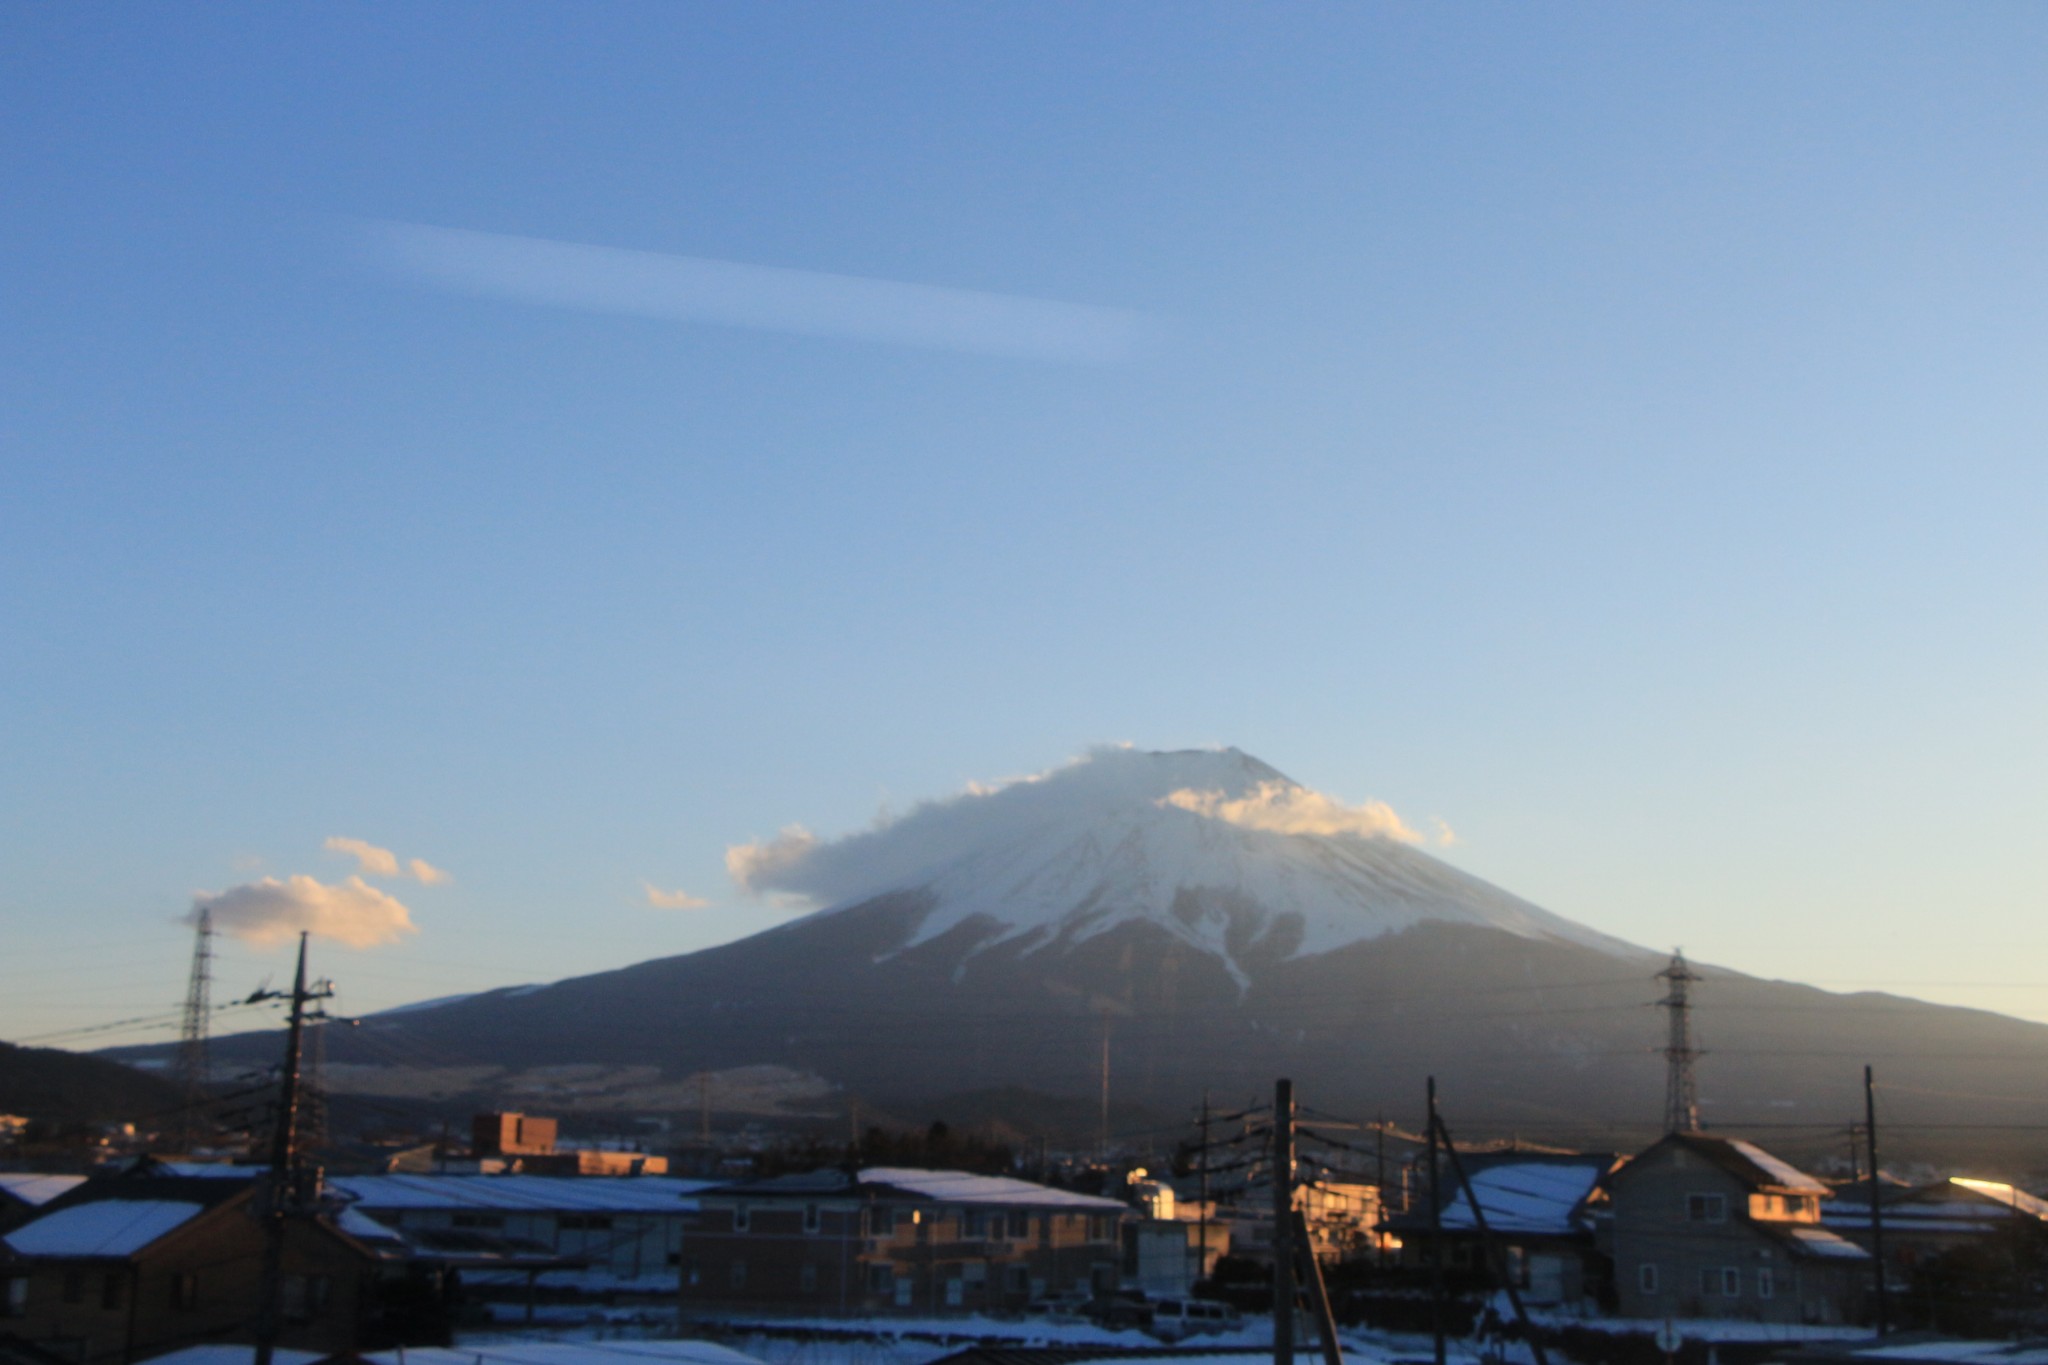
x=1202, y=1207
x=1102, y=1149
x=1283, y=1222
x=1436, y=1236
x=284, y=1195
x=1379, y=1159
x=194, y=1063
x=1876, y=1192
x=1681, y=1100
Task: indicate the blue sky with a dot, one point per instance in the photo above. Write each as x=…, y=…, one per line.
x=1613, y=430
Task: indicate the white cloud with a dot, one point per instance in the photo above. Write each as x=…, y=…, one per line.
x=426, y=873
x=378, y=862
x=760, y=866
x=601, y=279
x=1283, y=808
x=382, y=862
x=672, y=900
x=272, y=911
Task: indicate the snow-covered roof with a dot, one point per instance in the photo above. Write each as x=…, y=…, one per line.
x=567, y=1353
x=106, y=1227
x=1746, y=1161
x=1809, y=1240
x=2003, y=1195
x=1781, y=1173
x=522, y=1193
x=1528, y=1196
x=37, y=1190
x=961, y=1187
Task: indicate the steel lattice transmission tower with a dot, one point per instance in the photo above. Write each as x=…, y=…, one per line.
x=193, y=1067
x=1681, y=1099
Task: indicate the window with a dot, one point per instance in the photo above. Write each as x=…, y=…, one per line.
x=1766, y=1283
x=1646, y=1278
x=807, y=1278
x=1706, y=1208
x=998, y=1228
x=14, y=1296
x=1731, y=1282
x=736, y=1275
x=305, y=1296
x=1099, y=1226
x=582, y=1222
x=814, y=1218
x=742, y=1221
x=110, y=1290
x=184, y=1292
x=74, y=1286
x=483, y=1220
x=881, y=1280
x=976, y=1224
x=954, y=1293
x=882, y=1222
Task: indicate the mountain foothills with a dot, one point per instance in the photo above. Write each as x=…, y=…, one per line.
x=1218, y=925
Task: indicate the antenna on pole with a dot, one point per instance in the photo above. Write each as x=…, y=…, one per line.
x=1681, y=1099
x=193, y=1064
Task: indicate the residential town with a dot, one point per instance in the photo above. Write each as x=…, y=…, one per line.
x=143, y=1255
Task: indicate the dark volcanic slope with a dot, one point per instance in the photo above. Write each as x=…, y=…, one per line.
x=1549, y=1039
x=45, y=1083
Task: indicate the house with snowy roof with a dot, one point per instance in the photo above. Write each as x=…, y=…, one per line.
x=1923, y=1221
x=23, y=1194
x=897, y=1240
x=137, y=1262
x=1538, y=1206
x=1714, y=1227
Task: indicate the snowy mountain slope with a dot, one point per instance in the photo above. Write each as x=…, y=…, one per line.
x=1213, y=846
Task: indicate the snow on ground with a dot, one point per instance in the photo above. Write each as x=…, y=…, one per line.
x=233, y=1355
x=534, y=1351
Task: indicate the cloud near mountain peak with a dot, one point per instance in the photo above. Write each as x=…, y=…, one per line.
x=1285, y=808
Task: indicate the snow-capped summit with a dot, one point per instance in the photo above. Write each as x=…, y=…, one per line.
x=1220, y=850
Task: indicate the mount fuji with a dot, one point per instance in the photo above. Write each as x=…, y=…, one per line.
x=1198, y=921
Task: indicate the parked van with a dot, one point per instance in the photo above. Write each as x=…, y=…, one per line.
x=1173, y=1319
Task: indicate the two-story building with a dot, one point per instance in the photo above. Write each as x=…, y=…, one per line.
x=896, y=1240
x=134, y=1264
x=1716, y=1227
x=622, y=1232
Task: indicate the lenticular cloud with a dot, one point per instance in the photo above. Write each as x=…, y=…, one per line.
x=271, y=911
